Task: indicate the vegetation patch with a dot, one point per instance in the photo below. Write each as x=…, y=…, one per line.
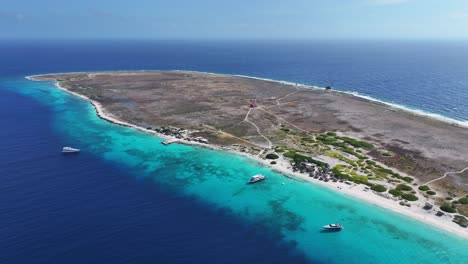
x=338, y=173
x=448, y=208
x=360, y=179
x=404, y=187
x=298, y=158
x=356, y=143
x=463, y=200
x=431, y=193
x=330, y=140
x=379, y=188
x=460, y=220
x=338, y=156
x=409, y=197
x=272, y=156
x=424, y=188
x=354, y=153
x=395, y=192
x=407, y=179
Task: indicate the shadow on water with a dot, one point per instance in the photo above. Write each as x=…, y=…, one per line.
x=329, y=231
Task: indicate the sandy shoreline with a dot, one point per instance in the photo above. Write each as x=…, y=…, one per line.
x=356, y=191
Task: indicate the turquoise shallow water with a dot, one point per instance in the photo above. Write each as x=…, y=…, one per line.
x=296, y=209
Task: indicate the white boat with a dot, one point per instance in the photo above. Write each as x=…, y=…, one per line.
x=336, y=227
x=257, y=178
x=70, y=150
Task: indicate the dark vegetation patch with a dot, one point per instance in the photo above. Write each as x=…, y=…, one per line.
x=395, y=192
x=404, y=187
x=460, y=220
x=272, y=156
x=379, y=188
x=424, y=188
x=298, y=158
x=409, y=197
x=463, y=200
x=448, y=208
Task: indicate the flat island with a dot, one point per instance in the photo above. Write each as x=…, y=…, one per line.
x=400, y=160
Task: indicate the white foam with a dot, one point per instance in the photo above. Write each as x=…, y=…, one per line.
x=415, y=111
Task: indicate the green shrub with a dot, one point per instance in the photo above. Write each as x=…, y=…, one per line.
x=338, y=173
x=463, y=200
x=356, y=143
x=431, y=192
x=298, y=158
x=448, y=208
x=404, y=187
x=271, y=156
x=379, y=188
x=448, y=198
x=409, y=197
x=424, y=188
x=331, y=134
x=407, y=179
x=386, y=154
x=307, y=139
x=395, y=192
x=359, y=179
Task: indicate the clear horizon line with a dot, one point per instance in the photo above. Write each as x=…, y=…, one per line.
x=232, y=39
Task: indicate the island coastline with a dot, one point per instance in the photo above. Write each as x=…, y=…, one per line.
x=355, y=191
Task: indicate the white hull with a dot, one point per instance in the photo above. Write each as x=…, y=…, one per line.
x=70, y=150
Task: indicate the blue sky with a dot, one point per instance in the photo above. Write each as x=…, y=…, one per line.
x=188, y=19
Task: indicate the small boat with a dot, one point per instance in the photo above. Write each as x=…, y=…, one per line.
x=336, y=227
x=70, y=150
x=257, y=178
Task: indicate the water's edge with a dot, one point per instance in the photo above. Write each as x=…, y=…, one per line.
x=360, y=195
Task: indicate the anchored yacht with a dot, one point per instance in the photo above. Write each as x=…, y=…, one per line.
x=257, y=178
x=336, y=227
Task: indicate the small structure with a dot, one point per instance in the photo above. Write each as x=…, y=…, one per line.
x=428, y=206
x=253, y=103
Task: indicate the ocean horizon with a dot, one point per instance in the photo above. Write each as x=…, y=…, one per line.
x=128, y=199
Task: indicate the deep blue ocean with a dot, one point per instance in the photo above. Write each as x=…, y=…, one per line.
x=126, y=199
